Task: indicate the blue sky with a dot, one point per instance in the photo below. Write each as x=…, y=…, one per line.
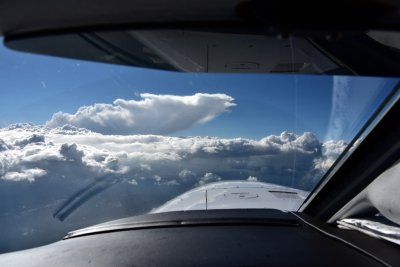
x=34, y=87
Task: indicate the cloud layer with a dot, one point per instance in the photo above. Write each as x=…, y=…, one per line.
x=153, y=114
x=29, y=152
x=42, y=167
x=109, y=161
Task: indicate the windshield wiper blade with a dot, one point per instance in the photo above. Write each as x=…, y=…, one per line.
x=83, y=195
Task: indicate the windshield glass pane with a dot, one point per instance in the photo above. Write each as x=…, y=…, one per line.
x=82, y=143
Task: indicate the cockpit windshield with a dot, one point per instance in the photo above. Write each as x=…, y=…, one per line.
x=86, y=142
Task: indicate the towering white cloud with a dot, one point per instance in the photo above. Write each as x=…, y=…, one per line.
x=331, y=150
x=153, y=114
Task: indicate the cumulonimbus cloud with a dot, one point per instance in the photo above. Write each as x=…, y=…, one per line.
x=153, y=114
